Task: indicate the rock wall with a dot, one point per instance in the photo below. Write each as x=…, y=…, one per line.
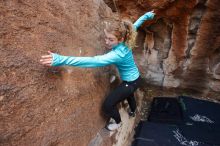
x=180, y=48
x=50, y=106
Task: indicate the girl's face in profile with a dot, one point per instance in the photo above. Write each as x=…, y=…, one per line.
x=111, y=40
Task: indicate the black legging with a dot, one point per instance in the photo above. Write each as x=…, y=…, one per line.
x=124, y=91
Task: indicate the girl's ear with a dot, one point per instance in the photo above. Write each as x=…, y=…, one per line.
x=121, y=40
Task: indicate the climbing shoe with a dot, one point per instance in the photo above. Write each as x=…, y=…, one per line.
x=112, y=126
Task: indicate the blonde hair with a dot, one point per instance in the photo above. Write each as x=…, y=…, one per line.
x=122, y=29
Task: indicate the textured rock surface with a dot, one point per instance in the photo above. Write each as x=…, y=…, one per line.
x=50, y=106
x=181, y=47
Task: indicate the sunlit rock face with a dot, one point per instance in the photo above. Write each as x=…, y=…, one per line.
x=181, y=47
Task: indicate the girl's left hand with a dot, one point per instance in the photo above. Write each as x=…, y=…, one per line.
x=153, y=12
x=47, y=59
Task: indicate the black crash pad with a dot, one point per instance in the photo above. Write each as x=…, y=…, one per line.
x=157, y=134
x=165, y=110
x=202, y=120
x=197, y=111
x=180, y=121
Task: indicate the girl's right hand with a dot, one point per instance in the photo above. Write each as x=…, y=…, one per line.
x=47, y=59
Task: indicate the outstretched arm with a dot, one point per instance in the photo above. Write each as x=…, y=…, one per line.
x=142, y=19
x=97, y=61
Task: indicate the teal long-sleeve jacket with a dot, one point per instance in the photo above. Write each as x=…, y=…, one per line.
x=120, y=56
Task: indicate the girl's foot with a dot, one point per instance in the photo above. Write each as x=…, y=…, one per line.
x=113, y=126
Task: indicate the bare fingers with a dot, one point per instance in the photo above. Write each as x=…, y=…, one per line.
x=153, y=12
x=47, y=59
x=46, y=62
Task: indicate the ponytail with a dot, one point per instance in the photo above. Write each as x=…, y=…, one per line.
x=130, y=34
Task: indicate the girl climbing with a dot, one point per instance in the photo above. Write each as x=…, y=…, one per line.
x=120, y=39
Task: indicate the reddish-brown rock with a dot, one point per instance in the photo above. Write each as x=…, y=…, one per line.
x=50, y=106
